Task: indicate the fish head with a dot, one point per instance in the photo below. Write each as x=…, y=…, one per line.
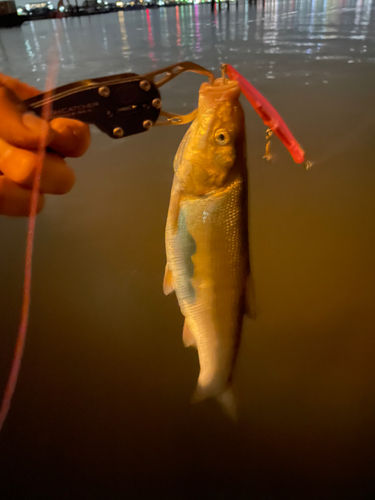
x=210, y=150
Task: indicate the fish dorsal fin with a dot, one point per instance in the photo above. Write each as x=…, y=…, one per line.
x=168, y=285
x=188, y=337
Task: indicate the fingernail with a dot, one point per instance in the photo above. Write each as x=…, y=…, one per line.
x=33, y=123
x=68, y=130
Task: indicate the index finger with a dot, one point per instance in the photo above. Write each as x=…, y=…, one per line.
x=72, y=137
x=22, y=90
x=17, y=127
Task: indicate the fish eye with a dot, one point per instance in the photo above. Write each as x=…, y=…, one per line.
x=221, y=137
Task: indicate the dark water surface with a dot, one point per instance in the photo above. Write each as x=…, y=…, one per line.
x=102, y=408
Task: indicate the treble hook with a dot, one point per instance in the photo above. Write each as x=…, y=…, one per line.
x=268, y=156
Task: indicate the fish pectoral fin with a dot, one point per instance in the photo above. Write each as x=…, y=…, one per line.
x=168, y=285
x=188, y=337
x=250, y=304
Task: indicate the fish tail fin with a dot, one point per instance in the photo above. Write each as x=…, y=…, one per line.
x=225, y=398
x=228, y=402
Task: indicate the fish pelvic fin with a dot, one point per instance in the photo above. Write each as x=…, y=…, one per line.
x=225, y=398
x=188, y=337
x=168, y=285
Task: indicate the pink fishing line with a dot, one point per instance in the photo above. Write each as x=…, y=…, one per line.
x=21, y=337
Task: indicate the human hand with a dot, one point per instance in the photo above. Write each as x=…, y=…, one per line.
x=20, y=133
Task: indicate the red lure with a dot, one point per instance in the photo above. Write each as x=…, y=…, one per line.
x=269, y=115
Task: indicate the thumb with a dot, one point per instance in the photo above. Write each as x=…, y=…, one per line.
x=17, y=126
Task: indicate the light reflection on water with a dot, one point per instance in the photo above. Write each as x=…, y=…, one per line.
x=106, y=382
x=178, y=27
x=277, y=27
x=197, y=30
x=124, y=36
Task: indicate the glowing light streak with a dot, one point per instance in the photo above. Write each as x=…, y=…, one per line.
x=124, y=36
x=197, y=31
x=149, y=29
x=178, y=27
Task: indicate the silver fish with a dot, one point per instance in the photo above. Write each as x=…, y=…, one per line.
x=207, y=237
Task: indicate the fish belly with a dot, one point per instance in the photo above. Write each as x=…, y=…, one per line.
x=207, y=254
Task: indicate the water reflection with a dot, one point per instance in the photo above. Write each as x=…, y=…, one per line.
x=29, y=51
x=149, y=30
x=3, y=51
x=150, y=36
x=104, y=36
x=124, y=37
x=197, y=31
x=164, y=27
x=57, y=32
x=246, y=22
x=361, y=20
x=178, y=27
x=316, y=29
x=36, y=42
x=69, y=45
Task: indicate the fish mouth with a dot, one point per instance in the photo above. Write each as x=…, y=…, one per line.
x=221, y=90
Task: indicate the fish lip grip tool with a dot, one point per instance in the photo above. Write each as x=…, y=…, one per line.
x=118, y=105
x=268, y=114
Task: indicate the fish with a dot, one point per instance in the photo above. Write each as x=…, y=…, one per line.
x=206, y=238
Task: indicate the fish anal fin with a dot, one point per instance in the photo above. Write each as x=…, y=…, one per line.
x=188, y=337
x=250, y=304
x=168, y=285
